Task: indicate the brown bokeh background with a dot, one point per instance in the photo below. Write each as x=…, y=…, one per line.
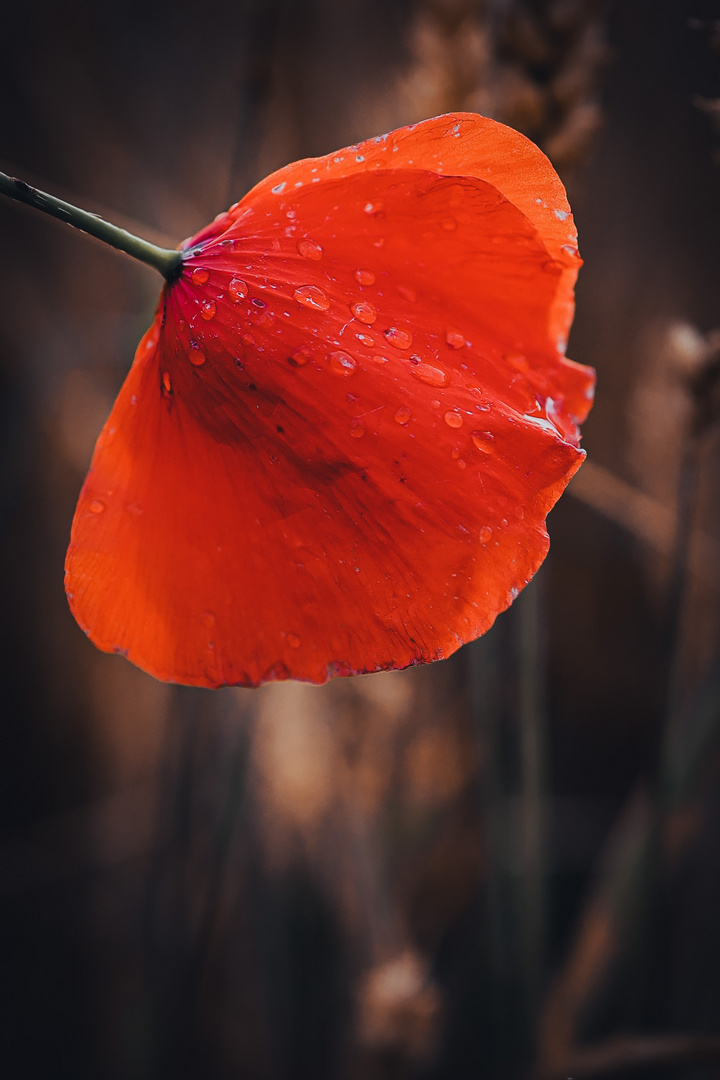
x=503, y=865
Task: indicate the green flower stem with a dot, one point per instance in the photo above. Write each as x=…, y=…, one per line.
x=165, y=260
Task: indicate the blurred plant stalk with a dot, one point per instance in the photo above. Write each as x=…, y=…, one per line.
x=650, y=835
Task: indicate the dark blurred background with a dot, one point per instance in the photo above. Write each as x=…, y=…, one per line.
x=504, y=865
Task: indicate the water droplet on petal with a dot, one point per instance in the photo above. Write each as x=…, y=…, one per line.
x=208, y=619
x=435, y=404
x=519, y=513
x=401, y=339
x=517, y=360
x=200, y=275
x=257, y=302
x=197, y=356
x=364, y=277
x=276, y=672
x=365, y=340
x=376, y=209
x=293, y=640
x=432, y=376
x=402, y=416
x=453, y=419
x=237, y=289
x=313, y=297
x=299, y=357
x=485, y=534
x=357, y=428
x=364, y=311
x=166, y=382
x=455, y=453
x=310, y=250
x=449, y=224
x=380, y=359
x=96, y=506
x=454, y=339
x=207, y=310
x=342, y=363
x=407, y=293
x=484, y=441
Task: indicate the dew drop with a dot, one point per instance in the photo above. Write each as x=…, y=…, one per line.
x=485, y=534
x=342, y=363
x=364, y=277
x=200, y=275
x=519, y=513
x=402, y=416
x=407, y=293
x=276, y=672
x=401, y=339
x=461, y=463
x=380, y=359
x=166, y=383
x=257, y=302
x=208, y=619
x=197, y=356
x=454, y=339
x=96, y=506
x=516, y=360
x=435, y=404
x=365, y=340
x=453, y=419
x=310, y=250
x=237, y=289
x=449, y=224
x=432, y=376
x=293, y=640
x=299, y=357
x=357, y=428
x=364, y=311
x=376, y=209
x=312, y=297
x=455, y=453
x=484, y=441
x=207, y=310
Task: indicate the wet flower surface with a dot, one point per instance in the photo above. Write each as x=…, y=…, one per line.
x=339, y=440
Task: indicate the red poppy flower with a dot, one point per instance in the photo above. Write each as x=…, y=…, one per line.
x=337, y=445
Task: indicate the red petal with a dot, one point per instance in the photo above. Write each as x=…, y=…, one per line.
x=339, y=441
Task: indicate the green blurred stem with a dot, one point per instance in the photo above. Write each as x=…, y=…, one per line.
x=165, y=260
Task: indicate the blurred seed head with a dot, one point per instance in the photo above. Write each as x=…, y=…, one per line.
x=399, y=1009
